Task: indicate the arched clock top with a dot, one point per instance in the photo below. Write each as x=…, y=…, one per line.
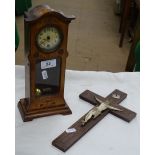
x=41, y=11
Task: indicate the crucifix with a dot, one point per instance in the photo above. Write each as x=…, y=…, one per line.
x=103, y=106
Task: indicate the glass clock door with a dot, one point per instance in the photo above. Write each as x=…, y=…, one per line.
x=47, y=77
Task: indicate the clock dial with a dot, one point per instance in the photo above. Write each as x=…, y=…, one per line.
x=49, y=38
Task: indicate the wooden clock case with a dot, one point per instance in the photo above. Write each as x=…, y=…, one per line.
x=33, y=106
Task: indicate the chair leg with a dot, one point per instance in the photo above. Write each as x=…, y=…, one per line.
x=125, y=16
x=131, y=58
x=123, y=33
x=122, y=12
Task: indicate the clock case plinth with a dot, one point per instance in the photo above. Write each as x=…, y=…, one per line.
x=30, y=115
x=31, y=106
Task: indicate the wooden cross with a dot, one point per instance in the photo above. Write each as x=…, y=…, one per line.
x=66, y=140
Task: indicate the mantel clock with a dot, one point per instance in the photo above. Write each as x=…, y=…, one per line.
x=46, y=32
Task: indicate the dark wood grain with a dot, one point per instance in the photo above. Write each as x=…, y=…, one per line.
x=66, y=140
x=124, y=19
x=131, y=58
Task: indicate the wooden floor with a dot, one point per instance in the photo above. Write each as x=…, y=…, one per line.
x=93, y=36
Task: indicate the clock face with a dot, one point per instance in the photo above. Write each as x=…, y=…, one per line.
x=49, y=38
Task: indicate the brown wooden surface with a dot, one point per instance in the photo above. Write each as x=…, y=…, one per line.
x=65, y=140
x=124, y=20
x=124, y=17
x=131, y=58
x=138, y=3
x=34, y=20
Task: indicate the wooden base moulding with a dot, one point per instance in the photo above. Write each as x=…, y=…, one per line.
x=30, y=115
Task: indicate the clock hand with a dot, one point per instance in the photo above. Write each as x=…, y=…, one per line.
x=43, y=41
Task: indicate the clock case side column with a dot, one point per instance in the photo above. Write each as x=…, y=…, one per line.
x=64, y=54
x=24, y=102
